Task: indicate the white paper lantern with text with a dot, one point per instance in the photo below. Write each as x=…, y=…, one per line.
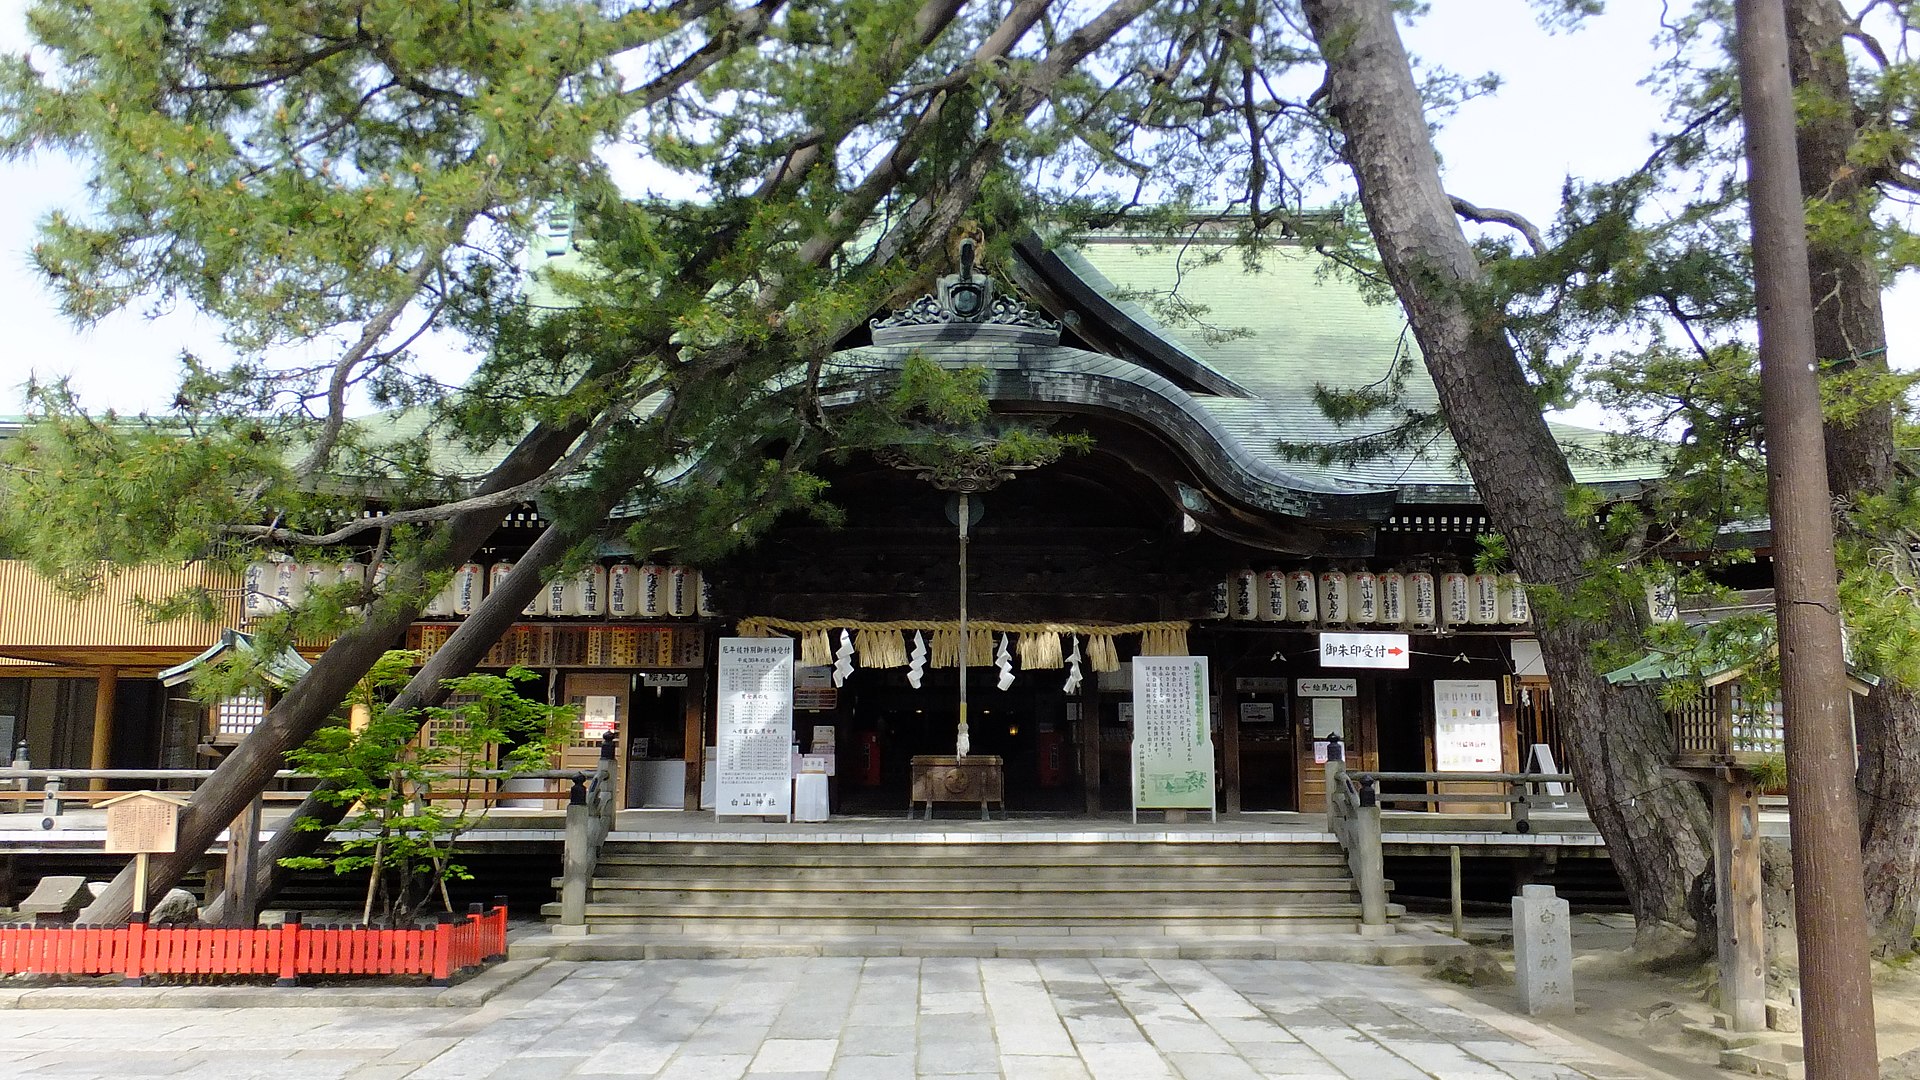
x=1303, y=597
x=259, y=581
x=1366, y=597
x=1222, y=599
x=706, y=608
x=353, y=573
x=590, y=590
x=683, y=585
x=1514, y=607
x=1486, y=599
x=1246, y=596
x=289, y=584
x=469, y=588
x=1456, y=599
x=440, y=604
x=1393, y=598
x=1273, y=596
x=556, y=597
x=1423, y=601
x=1333, y=597
x=623, y=591
x=318, y=575
x=653, y=591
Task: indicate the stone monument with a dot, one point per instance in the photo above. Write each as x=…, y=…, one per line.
x=1543, y=951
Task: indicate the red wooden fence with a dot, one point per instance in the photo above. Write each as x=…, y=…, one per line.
x=287, y=951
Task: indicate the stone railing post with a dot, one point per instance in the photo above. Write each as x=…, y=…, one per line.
x=578, y=861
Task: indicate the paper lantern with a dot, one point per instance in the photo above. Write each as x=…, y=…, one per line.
x=590, y=590
x=1514, y=608
x=706, y=608
x=1273, y=596
x=653, y=591
x=259, y=581
x=1366, y=597
x=1393, y=598
x=469, y=588
x=319, y=575
x=1456, y=599
x=1222, y=599
x=440, y=604
x=1246, y=596
x=556, y=597
x=1333, y=597
x=683, y=582
x=353, y=573
x=1423, y=606
x=1485, y=590
x=1303, y=596
x=289, y=584
x=623, y=591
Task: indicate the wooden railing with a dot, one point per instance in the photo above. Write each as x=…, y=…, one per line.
x=287, y=952
x=1353, y=817
x=589, y=820
x=53, y=789
x=1519, y=797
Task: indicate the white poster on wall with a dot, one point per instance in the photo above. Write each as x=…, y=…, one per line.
x=1172, y=743
x=753, y=768
x=1466, y=725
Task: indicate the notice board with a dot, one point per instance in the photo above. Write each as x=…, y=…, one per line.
x=754, y=765
x=1172, y=741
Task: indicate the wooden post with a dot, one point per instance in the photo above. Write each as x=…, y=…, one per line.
x=1455, y=893
x=1836, y=991
x=103, y=697
x=694, y=725
x=140, y=885
x=1737, y=890
x=242, y=907
x=1230, y=797
x=1090, y=747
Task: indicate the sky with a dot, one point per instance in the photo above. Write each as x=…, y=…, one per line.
x=1569, y=105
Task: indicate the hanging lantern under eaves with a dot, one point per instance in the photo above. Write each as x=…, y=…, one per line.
x=653, y=591
x=1515, y=610
x=705, y=606
x=1333, y=597
x=1423, y=600
x=1366, y=597
x=683, y=583
x=1393, y=598
x=623, y=591
x=469, y=588
x=1303, y=597
x=590, y=590
x=556, y=597
x=1456, y=599
x=1246, y=596
x=1485, y=590
x=258, y=582
x=1273, y=596
x=1222, y=599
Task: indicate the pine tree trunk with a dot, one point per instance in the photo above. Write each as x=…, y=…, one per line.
x=1655, y=827
x=1850, y=336
x=461, y=653
x=310, y=702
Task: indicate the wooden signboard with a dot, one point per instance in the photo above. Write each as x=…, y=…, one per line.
x=142, y=823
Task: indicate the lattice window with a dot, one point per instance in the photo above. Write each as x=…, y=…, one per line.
x=1759, y=723
x=238, y=715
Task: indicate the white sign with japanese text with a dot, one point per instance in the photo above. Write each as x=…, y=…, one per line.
x=1466, y=725
x=753, y=769
x=1364, y=650
x=1172, y=745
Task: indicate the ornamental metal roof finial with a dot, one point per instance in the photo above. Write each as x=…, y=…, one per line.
x=966, y=307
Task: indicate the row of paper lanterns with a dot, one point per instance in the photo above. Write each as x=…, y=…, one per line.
x=1393, y=598
x=620, y=591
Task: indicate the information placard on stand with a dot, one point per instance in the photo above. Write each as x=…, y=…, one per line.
x=753, y=770
x=1172, y=740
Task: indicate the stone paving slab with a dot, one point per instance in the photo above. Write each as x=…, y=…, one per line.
x=838, y=1018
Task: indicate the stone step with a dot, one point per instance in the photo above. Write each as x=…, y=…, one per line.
x=946, y=930
x=932, y=914
x=886, y=870
x=1342, y=945
x=912, y=890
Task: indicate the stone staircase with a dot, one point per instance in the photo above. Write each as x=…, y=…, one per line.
x=1091, y=894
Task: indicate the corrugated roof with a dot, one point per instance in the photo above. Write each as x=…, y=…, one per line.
x=38, y=623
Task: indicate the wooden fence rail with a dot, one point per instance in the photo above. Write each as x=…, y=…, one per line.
x=287, y=952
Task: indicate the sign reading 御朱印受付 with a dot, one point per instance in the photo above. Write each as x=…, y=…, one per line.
x=1364, y=650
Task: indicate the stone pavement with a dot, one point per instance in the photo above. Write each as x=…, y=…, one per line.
x=843, y=1018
